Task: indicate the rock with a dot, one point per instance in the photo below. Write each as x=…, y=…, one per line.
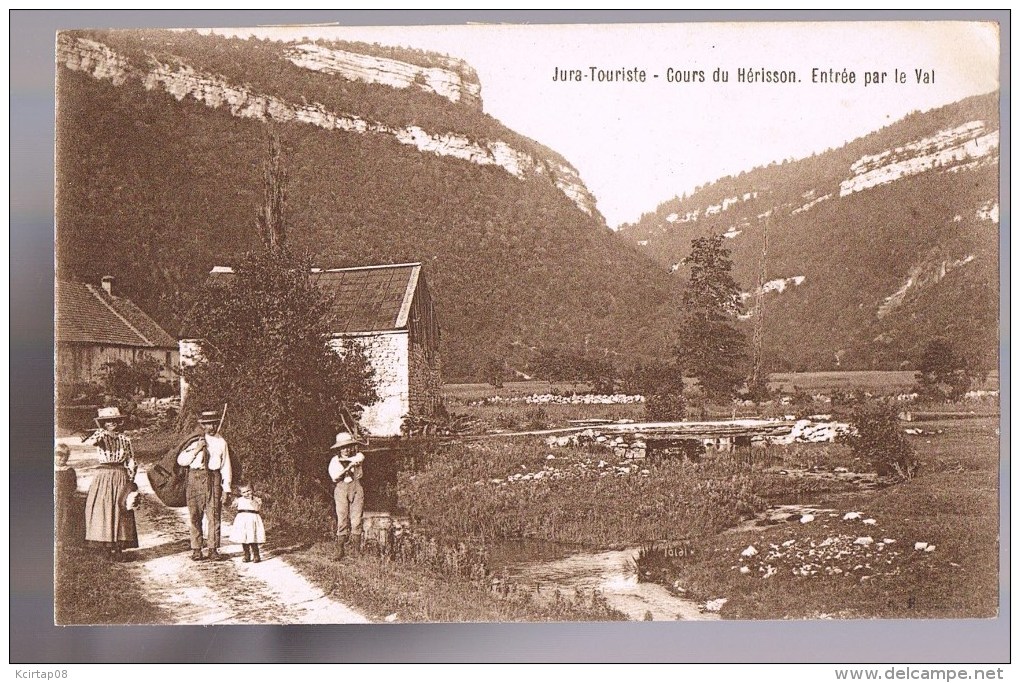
x=870, y=522
x=920, y=545
x=550, y=457
x=745, y=570
x=864, y=540
x=715, y=605
x=787, y=544
x=852, y=515
x=749, y=551
x=390, y=618
x=930, y=549
x=887, y=541
x=807, y=518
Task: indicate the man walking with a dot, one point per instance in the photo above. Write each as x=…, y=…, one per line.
x=208, y=461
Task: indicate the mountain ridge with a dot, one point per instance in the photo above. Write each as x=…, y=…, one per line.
x=914, y=198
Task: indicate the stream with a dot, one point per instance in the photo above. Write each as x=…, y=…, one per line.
x=549, y=567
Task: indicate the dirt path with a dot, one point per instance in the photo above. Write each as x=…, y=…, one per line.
x=227, y=592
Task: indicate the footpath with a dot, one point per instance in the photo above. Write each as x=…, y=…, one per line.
x=202, y=593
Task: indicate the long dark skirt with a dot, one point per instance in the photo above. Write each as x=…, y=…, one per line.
x=108, y=522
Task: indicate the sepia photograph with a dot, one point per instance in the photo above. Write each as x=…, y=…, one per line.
x=491, y=323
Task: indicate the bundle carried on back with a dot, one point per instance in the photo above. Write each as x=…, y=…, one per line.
x=168, y=479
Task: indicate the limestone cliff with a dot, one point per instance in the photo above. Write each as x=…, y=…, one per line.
x=459, y=84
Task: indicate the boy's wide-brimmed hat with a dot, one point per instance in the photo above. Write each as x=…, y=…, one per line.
x=344, y=439
x=209, y=417
x=108, y=414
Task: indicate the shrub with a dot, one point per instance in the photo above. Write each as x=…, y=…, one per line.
x=125, y=381
x=665, y=407
x=876, y=436
x=536, y=418
x=664, y=393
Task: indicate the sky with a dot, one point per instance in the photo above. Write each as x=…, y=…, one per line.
x=638, y=144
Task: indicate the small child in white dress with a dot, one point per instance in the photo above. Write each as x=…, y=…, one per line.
x=248, y=529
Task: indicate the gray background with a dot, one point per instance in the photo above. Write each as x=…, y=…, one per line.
x=34, y=639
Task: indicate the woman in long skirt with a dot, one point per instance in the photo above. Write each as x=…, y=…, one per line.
x=109, y=513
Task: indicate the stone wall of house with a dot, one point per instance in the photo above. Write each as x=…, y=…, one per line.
x=425, y=381
x=388, y=354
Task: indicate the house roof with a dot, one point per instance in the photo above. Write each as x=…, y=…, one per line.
x=87, y=314
x=363, y=299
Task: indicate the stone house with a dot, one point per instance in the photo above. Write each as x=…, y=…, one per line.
x=93, y=326
x=389, y=312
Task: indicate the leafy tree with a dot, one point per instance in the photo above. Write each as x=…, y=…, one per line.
x=709, y=345
x=943, y=374
x=268, y=353
x=877, y=437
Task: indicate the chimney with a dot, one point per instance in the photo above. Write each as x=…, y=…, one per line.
x=108, y=284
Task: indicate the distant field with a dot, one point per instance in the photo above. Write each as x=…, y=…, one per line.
x=877, y=381
x=476, y=392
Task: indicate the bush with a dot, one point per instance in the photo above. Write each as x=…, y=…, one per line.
x=876, y=436
x=665, y=407
x=125, y=381
x=663, y=389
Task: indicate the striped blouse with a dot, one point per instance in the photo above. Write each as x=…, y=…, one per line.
x=113, y=448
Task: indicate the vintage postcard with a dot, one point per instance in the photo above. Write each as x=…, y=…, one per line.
x=527, y=323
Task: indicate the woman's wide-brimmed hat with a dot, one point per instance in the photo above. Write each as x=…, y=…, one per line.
x=344, y=439
x=209, y=417
x=109, y=414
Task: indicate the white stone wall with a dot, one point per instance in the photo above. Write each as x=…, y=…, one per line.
x=190, y=352
x=389, y=357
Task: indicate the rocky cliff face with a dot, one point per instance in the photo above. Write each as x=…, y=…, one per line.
x=459, y=83
x=181, y=80
x=957, y=148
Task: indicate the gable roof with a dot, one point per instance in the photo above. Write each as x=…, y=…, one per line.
x=363, y=299
x=87, y=314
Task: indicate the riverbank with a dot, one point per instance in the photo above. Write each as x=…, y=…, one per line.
x=924, y=548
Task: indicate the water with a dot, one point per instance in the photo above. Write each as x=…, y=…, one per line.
x=550, y=567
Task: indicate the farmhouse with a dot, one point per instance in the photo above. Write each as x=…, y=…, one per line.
x=93, y=327
x=388, y=311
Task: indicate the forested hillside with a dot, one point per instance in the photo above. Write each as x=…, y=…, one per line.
x=161, y=138
x=873, y=248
